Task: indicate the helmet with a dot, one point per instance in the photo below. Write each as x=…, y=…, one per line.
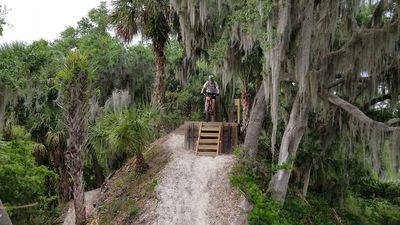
x=211, y=77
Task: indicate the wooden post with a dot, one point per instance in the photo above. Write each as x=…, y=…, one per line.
x=237, y=104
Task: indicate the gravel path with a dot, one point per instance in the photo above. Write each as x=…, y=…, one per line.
x=195, y=190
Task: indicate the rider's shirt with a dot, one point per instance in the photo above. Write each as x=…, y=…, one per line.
x=211, y=87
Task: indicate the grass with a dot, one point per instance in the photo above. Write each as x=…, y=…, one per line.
x=129, y=191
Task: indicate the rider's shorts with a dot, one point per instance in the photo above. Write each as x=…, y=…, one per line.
x=212, y=95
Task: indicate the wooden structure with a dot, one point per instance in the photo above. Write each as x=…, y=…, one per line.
x=210, y=138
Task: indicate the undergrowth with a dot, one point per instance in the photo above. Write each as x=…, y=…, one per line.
x=369, y=202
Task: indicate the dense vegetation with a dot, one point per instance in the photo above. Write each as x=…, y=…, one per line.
x=318, y=83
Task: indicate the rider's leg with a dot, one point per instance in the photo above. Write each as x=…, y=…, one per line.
x=205, y=105
x=213, y=105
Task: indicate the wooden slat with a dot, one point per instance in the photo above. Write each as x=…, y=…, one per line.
x=209, y=134
x=216, y=129
x=198, y=140
x=207, y=150
x=211, y=154
x=214, y=147
x=219, y=138
x=209, y=141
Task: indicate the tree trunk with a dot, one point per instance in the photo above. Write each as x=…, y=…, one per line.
x=98, y=175
x=159, y=84
x=245, y=102
x=6, y=95
x=75, y=167
x=255, y=122
x=306, y=181
x=65, y=186
x=140, y=164
x=65, y=183
x=4, y=218
x=290, y=142
x=2, y=105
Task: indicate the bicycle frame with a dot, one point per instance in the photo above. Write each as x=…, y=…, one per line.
x=210, y=113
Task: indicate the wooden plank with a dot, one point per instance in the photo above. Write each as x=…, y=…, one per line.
x=209, y=134
x=191, y=137
x=208, y=151
x=211, y=154
x=198, y=140
x=208, y=147
x=221, y=126
x=216, y=129
x=217, y=136
x=207, y=124
x=209, y=141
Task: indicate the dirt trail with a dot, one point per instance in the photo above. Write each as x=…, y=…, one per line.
x=195, y=190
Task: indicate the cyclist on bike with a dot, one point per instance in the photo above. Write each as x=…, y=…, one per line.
x=210, y=90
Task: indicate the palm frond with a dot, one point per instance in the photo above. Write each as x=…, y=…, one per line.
x=126, y=18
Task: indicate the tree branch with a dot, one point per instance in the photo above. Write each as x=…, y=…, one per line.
x=357, y=113
x=393, y=121
x=356, y=37
x=376, y=100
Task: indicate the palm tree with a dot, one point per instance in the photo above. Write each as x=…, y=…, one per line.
x=150, y=18
x=117, y=136
x=56, y=143
x=75, y=82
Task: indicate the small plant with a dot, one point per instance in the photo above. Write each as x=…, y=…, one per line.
x=152, y=185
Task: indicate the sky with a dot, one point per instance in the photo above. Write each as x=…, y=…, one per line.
x=32, y=20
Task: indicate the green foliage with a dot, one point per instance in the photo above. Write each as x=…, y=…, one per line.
x=370, y=211
x=265, y=211
x=139, y=61
x=315, y=209
x=118, y=136
x=24, y=182
x=152, y=185
x=148, y=17
x=369, y=201
x=371, y=188
x=26, y=68
x=183, y=106
x=76, y=65
x=123, y=204
x=3, y=13
x=251, y=15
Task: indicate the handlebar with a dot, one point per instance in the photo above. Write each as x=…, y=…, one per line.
x=208, y=94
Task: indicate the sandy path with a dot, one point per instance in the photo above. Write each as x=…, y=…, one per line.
x=195, y=190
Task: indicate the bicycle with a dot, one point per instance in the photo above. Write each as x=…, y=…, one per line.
x=210, y=112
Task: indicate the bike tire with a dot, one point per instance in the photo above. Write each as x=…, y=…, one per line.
x=208, y=114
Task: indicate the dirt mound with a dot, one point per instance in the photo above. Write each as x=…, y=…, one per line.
x=179, y=188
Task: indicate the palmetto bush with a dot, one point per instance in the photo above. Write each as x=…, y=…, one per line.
x=118, y=136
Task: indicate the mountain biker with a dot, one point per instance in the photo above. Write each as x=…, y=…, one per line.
x=210, y=90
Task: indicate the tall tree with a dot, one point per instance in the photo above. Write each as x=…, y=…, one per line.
x=74, y=82
x=150, y=19
x=315, y=53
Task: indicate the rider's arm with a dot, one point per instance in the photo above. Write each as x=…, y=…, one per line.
x=204, y=88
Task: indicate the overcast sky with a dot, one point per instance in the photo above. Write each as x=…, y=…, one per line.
x=34, y=19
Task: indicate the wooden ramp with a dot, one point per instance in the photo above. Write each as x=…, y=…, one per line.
x=210, y=138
